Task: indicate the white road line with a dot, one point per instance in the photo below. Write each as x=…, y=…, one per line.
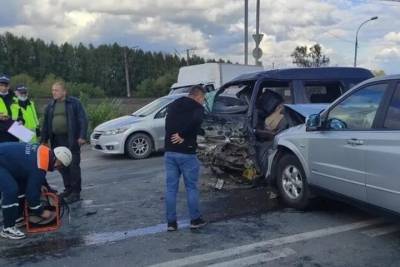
x=107, y=237
x=90, y=205
x=257, y=259
x=381, y=230
x=268, y=243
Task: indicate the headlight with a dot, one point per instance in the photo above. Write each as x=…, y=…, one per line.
x=115, y=131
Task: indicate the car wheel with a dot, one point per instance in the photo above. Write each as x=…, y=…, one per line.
x=138, y=146
x=292, y=182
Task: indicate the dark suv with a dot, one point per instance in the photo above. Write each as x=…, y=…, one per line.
x=246, y=113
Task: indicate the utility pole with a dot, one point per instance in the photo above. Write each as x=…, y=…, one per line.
x=246, y=32
x=257, y=52
x=128, y=88
x=188, y=55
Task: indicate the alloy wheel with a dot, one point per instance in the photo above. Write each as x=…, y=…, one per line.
x=292, y=182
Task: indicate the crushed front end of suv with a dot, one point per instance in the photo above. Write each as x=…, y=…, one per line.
x=245, y=114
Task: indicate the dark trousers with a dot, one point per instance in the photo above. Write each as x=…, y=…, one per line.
x=72, y=174
x=9, y=204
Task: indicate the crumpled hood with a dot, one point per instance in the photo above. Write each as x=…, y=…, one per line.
x=307, y=109
x=118, y=123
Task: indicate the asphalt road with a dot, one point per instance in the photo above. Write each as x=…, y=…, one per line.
x=120, y=222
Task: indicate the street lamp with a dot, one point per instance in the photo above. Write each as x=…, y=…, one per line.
x=356, y=45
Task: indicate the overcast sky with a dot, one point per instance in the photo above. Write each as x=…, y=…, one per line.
x=215, y=27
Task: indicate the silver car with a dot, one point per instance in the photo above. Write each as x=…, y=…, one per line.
x=351, y=149
x=136, y=135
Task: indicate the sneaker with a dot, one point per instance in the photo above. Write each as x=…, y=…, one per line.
x=20, y=222
x=172, y=226
x=12, y=233
x=197, y=223
x=72, y=198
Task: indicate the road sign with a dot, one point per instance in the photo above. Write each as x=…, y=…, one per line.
x=257, y=38
x=257, y=53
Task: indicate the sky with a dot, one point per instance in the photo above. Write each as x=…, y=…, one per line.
x=215, y=27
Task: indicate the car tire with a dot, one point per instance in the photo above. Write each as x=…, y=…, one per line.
x=292, y=182
x=138, y=146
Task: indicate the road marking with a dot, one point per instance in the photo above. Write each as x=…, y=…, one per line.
x=102, y=238
x=257, y=259
x=268, y=244
x=119, y=203
x=379, y=231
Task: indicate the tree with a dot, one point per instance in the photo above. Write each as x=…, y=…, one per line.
x=309, y=57
x=94, y=70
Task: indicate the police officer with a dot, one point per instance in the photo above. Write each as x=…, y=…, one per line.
x=9, y=110
x=26, y=164
x=28, y=110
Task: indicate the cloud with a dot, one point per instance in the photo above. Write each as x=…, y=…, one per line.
x=215, y=27
x=393, y=37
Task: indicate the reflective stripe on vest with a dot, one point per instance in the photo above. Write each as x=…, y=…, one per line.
x=43, y=157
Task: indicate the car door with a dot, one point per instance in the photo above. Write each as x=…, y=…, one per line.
x=159, y=127
x=336, y=154
x=383, y=158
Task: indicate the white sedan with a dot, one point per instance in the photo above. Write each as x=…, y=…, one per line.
x=136, y=135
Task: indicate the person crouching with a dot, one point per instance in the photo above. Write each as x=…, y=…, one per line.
x=27, y=164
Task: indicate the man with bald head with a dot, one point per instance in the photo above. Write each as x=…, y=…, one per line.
x=65, y=124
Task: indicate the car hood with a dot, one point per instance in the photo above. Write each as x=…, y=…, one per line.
x=119, y=123
x=307, y=109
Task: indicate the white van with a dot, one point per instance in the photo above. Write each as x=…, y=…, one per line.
x=210, y=75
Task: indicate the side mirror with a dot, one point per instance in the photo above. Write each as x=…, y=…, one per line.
x=313, y=123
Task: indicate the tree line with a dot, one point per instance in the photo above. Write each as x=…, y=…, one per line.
x=100, y=71
x=97, y=71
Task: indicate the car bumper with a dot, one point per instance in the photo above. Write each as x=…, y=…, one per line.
x=109, y=144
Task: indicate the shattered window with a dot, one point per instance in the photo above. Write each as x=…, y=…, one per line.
x=282, y=88
x=233, y=99
x=322, y=92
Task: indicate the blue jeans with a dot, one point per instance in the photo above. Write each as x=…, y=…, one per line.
x=187, y=165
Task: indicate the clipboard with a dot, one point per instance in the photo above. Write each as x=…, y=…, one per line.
x=21, y=132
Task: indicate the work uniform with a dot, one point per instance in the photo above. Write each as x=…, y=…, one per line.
x=23, y=169
x=30, y=117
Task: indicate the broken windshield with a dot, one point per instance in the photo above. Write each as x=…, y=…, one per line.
x=233, y=99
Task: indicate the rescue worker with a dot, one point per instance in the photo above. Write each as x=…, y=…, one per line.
x=9, y=110
x=26, y=164
x=28, y=111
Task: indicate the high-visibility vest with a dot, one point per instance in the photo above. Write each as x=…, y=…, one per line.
x=14, y=108
x=30, y=117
